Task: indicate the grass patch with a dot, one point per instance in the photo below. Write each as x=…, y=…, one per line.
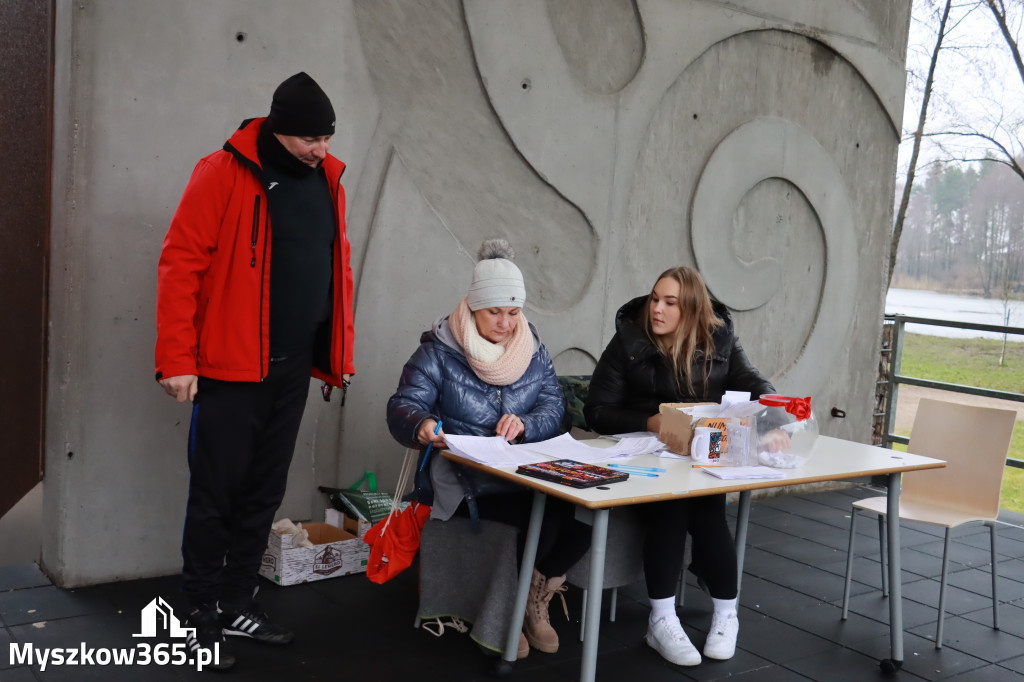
x=1013, y=490
x=969, y=362
x=973, y=362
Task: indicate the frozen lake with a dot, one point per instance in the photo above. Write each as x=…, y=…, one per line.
x=918, y=303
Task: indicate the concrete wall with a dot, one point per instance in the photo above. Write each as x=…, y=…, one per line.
x=606, y=139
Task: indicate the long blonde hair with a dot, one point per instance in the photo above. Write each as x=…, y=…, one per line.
x=697, y=325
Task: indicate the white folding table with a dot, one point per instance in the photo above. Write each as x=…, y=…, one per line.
x=831, y=459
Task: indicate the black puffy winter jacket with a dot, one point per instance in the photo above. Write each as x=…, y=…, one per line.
x=633, y=377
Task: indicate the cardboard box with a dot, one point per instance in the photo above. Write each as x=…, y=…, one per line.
x=357, y=527
x=676, y=427
x=335, y=552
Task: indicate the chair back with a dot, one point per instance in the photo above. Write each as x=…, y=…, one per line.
x=974, y=442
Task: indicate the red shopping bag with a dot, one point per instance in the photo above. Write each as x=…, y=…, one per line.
x=394, y=542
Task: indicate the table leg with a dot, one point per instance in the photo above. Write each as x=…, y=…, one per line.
x=742, y=518
x=892, y=518
x=598, y=545
x=523, y=589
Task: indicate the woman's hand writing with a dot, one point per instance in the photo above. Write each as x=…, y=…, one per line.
x=654, y=423
x=426, y=433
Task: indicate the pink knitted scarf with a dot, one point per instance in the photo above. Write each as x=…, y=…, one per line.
x=496, y=364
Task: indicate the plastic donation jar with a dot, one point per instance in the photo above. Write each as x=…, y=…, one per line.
x=794, y=418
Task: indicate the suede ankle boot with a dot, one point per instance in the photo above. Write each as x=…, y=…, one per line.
x=537, y=625
x=524, y=647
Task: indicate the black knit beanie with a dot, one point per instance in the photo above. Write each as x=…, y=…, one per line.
x=301, y=108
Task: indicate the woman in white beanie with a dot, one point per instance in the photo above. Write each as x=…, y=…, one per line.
x=483, y=371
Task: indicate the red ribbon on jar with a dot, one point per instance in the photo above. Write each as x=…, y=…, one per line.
x=798, y=407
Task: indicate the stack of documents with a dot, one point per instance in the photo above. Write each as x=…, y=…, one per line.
x=565, y=447
x=495, y=451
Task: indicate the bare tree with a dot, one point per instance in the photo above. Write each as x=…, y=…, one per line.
x=908, y=185
x=1001, y=131
x=998, y=9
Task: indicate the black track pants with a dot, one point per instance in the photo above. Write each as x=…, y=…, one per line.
x=240, y=447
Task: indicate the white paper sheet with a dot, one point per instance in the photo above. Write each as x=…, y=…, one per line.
x=742, y=409
x=495, y=451
x=701, y=411
x=634, y=434
x=733, y=397
x=627, y=447
x=566, y=447
x=491, y=450
x=730, y=473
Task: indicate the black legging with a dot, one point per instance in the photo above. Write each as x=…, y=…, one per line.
x=563, y=539
x=714, y=554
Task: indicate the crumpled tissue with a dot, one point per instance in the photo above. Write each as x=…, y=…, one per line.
x=286, y=527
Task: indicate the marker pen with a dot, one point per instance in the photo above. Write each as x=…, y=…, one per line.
x=430, y=446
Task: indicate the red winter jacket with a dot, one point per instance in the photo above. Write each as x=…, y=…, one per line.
x=213, y=288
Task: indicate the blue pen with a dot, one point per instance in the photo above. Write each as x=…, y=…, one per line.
x=641, y=473
x=630, y=467
x=430, y=446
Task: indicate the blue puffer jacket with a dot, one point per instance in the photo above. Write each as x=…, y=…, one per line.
x=438, y=383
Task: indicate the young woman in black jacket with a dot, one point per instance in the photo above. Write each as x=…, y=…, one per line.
x=676, y=345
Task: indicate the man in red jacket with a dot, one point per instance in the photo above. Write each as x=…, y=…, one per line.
x=239, y=333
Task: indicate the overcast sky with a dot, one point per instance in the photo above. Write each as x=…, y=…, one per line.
x=976, y=80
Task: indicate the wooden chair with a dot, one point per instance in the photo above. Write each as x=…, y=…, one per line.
x=973, y=441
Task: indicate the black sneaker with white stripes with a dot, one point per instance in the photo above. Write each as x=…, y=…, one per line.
x=252, y=622
x=208, y=636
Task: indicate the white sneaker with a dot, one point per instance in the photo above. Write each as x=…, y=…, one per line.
x=721, y=642
x=666, y=636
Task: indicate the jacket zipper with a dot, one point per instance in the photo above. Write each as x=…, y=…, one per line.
x=263, y=270
x=340, y=276
x=255, y=228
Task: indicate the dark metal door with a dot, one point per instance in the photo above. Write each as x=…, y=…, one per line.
x=26, y=108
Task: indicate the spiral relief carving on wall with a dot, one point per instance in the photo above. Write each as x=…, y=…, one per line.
x=785, y=151
x=611, y=139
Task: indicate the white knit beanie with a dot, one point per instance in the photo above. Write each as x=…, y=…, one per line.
x=497, y=282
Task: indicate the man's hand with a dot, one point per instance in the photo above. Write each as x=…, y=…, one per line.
x=181, y=388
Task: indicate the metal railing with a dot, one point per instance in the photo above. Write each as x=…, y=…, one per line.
x=896, y=378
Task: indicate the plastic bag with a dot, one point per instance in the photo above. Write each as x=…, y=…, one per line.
x=370, y=505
